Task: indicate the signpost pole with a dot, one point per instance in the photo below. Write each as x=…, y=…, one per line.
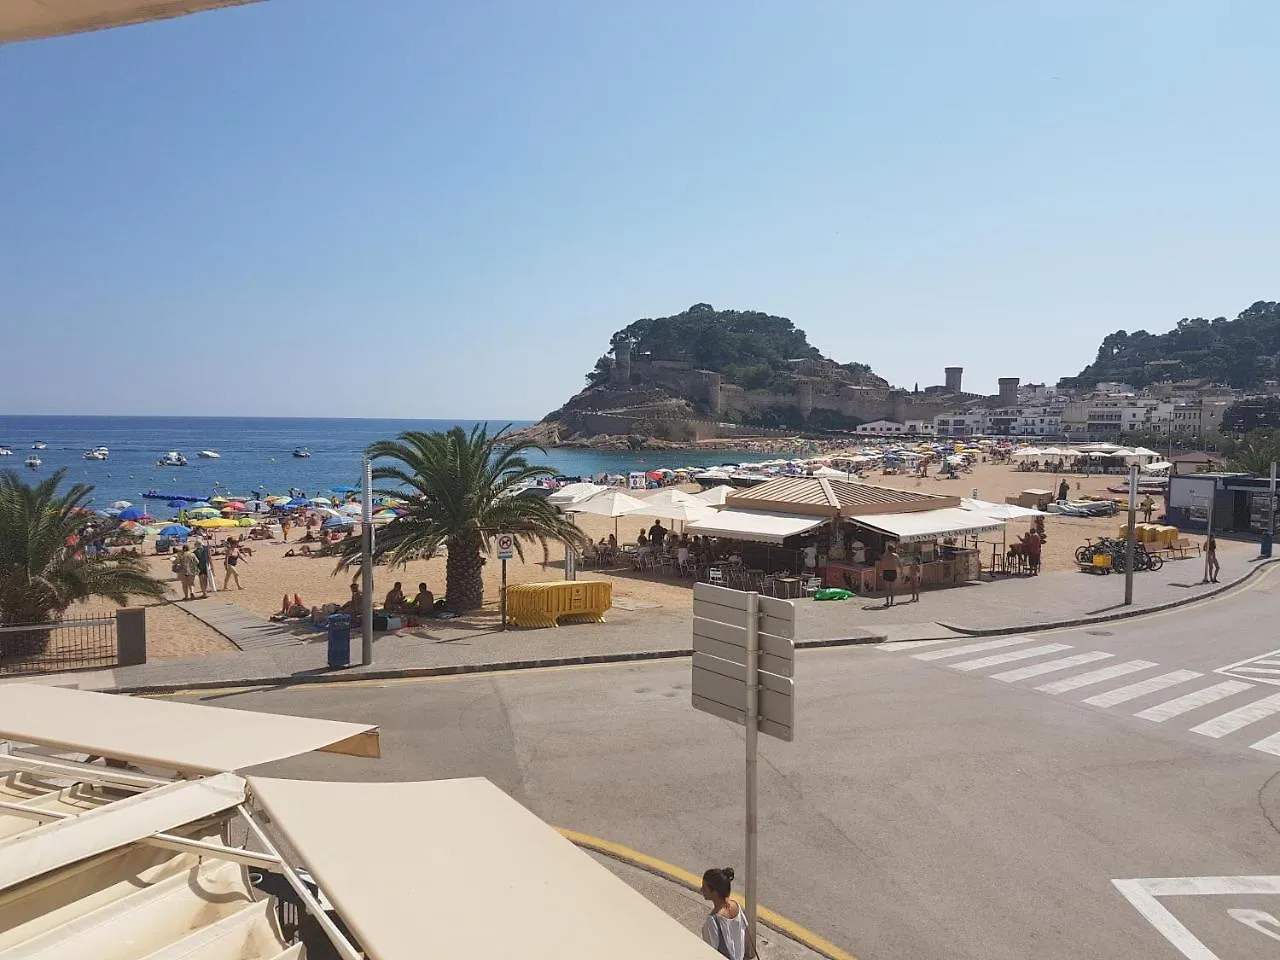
x=504, y=593
x=752, y=733
x=366, y=567
x=1128, y=547
x=1269, y=539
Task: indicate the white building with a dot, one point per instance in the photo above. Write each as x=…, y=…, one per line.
x=881, y=428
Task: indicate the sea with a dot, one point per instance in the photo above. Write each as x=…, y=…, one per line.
x=257, y=453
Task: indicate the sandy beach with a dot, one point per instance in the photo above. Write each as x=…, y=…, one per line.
x=268, y=574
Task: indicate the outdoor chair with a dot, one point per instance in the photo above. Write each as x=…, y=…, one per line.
x=811, y=586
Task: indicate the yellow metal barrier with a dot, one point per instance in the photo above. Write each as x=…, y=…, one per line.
x=546, y=604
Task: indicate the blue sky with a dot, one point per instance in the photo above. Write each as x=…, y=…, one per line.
x=221, y=214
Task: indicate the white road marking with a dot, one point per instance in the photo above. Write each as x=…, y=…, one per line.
x=1230, y=722
x=1191, y=701
x=916, y=644
x=1036, y=669
x=1142, y=688
x=1096, y=676
x=1241, y=663
x=971, y=648
x=1010, y=656
x=1262, y=671
x=1144, y=894
x=1269, y=745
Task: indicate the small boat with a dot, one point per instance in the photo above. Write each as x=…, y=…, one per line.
x=210, y=455
x=172, y=459
x=301, y=452
x=39, y=445
x=97, y=453
x=33, y=461
x=161, y=495
x=5, y=452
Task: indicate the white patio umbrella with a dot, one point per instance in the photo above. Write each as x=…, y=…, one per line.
x=1028, y=452
x=713, y=497
x=673, y=504
x=574, y=492
x=611, y=503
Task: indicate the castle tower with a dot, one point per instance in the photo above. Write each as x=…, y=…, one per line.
x=622, y=364
x=804, y=397
x=714, y=382
x=1009, y=391
x=899, y=409
x=953, y=379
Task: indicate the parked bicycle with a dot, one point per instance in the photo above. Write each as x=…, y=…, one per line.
x=1117, y=550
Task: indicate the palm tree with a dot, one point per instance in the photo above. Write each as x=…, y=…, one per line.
x=44, y=564
x=460, y=490
x=1255, y=452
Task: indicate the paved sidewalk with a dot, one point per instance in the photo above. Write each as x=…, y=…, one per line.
x=1007, y=606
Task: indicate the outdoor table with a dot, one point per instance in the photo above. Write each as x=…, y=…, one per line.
x=787, y=588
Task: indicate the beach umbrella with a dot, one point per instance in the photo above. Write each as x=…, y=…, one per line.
x=328, y=512
x=335, y=523
x=136, y=531
x=214, y=523
x=132, y=513
x=246, y=522
x=351, y=509
x=611, y=503
x=676, y=505
x=178, y=504
x=199, y=505
x=234, y=505
x=574, y=492
x=321, y=501
x=175, y=530
x=715, y=496
x=121, y=505
x=203, y=513
x=299, y=502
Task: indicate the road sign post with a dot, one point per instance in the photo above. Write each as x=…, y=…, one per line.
x=743, y=664
x=506, y=544
x=1128, y=546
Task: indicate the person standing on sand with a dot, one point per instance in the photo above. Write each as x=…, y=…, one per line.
x=1148, y=507
x=184, y=565
x=229, y=564
x=889, y=567
x=1064, y=490
x=285, y=526
x=204, y=567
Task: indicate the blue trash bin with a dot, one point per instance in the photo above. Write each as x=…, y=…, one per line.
x=339, y=625
x=1266, y=545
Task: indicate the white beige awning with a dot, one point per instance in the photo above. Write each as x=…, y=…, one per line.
x=456, y=868
x=176, y=736
x=929, y=524
x=758, y=525
x=68, y=841
x=35, y=19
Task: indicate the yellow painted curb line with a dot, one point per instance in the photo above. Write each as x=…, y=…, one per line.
x=693, y=882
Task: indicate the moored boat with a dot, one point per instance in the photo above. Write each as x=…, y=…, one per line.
x=210, y=455
x=33, y=461
x=97, y=453
x=172, y=459
x=301, y=452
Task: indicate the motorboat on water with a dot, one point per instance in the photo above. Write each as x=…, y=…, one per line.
x=210, y=455
x=5, y=452
x=161, y=495
x=39, y=445
x=301, y=452
x=172, y=459
x=97, y=453
x=33, y=461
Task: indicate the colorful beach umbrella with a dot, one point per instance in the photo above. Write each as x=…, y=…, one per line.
x=198, y=505
x=178, y=504
x=132, y=513
x=234, y=505
x=203, y=513
x=351, y=509
x=214, y=523
x=175, y=530
x=246, y=522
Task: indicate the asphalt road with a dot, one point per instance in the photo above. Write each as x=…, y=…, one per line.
x=962, y=799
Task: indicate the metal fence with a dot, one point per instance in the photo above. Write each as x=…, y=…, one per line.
x=73, y=643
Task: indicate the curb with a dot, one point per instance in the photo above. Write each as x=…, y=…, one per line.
x=1110, y=617
x=345, y=676
x=771, y=919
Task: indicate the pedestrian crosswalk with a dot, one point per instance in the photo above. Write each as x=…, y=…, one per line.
x=1218, y=708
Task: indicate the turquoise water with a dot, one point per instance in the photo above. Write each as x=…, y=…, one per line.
x=256, y=452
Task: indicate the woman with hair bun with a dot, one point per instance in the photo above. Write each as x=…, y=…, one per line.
x=726, y=927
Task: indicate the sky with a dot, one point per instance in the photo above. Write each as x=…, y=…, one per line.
x=444, y=210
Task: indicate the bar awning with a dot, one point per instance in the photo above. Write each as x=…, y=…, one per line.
x=930, y=524
x=35, y=19
x=177, y=736
x=756, y=525
x=419, y=871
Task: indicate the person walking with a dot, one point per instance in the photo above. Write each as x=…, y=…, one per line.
x=725, y=928
x=184, y=565
x=229, y=564
x=1211, y=565
x=889, y=567
x=204, y=566
x=285, y=526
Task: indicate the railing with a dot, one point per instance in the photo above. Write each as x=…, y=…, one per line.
x=72, y=643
